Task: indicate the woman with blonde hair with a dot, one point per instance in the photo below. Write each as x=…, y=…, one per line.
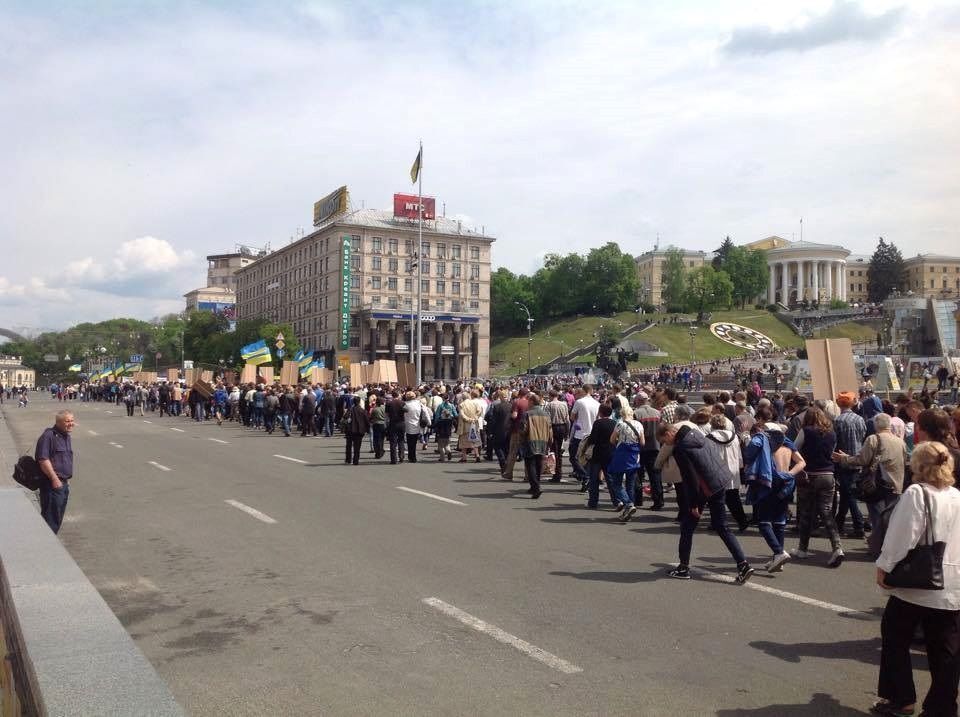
x=930, y=506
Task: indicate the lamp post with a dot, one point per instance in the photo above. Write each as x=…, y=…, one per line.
x=693, y=336
x=529, y=332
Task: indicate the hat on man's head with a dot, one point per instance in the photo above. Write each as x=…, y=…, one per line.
x=846, y=399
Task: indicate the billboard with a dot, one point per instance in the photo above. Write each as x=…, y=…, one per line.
x=405, y=206
x=345, y=253
x=229, y=310
x=334, y=203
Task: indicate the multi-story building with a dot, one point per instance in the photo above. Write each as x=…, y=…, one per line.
x=349, y=289
x=650, y=267
x=222, y=268
x=934, y=276
x=218, y=299
x=14, y=374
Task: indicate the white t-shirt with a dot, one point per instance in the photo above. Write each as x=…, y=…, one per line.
x=585, y=413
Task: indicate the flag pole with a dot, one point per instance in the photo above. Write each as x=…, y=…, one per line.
x=420, y=268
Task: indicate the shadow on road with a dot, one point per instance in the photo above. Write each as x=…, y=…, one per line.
x=866, y=651
x=619, y=577
x=822, y=705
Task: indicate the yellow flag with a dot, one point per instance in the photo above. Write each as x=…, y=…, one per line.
x=415, y=169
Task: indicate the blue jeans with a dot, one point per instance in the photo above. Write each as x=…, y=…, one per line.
x=647, y=460
x=718, y=521
x=593, y=484
x=328, y=424
x=622, y=494
x=257, y=416
x=772, y=521
x=285, y=422
x=848, y=501
x=53, y=503
x=578, y=470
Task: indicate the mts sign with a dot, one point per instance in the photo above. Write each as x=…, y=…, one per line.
x=406, y=206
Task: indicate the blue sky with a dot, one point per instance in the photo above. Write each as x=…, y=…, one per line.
x=141, y=137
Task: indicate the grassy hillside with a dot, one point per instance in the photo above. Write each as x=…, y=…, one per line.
x=853, y=330
x=510, y=355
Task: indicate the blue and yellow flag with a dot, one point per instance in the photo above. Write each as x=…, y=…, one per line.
x=75, y=368
x=256, y=353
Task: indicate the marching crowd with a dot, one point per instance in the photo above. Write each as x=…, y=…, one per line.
x=779, y=455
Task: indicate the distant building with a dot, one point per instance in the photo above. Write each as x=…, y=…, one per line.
x=650, y=267
x=218, y=299
x=934, y=275
x=13, y=373
x=219, y=295
x=348, y=289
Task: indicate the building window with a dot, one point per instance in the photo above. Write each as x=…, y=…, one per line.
x=375, y=282
x=426, y=248
x=425, y=304
x=441, y=268
x=392, y=302
x=455, y=305
x=356, y=244
x=474, y=271
x=455, y=288
x=426, y=267
x=439, y=303
x=354, y=281
x=377, y=263
x=375, y=300
x=354, y=301
x=425, y=285
x=391, y=246
x=408, y=246
x=441, y=286
x=441, y=251
x=377, y=245
x=355, y=263
x=456, y=271
x=931, y=283
x=474, y=306
x=393, y=265
x=474, y=253
x=354, y=322
x=931, y=269
x=408, y=285
x=456, y=252
x=474, y=289
x=355, y=341
x=392, y=283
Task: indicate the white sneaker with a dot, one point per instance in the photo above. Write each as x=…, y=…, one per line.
x=836, y=557
x=776, y=565
x=800, y=554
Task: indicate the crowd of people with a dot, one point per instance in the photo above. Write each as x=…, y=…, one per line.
x=854, y=468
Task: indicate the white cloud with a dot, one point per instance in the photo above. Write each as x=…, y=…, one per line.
x=132, y=268
x=33, y=290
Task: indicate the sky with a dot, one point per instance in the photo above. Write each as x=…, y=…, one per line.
x=141, y=136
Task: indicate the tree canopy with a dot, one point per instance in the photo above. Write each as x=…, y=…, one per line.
x=673, y=288
x=886, y=272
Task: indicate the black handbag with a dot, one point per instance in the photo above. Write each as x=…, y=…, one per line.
x=922, y=568
x=873, y=486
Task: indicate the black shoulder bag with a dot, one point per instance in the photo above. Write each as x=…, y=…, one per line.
x=922, y=568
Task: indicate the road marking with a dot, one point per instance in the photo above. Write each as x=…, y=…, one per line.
x=217, y=440
x=93, y=433
x=430, y=495
x=178, y=430
x=115, y=445
x=108, y=411
x=550, y=660
x=157, y=465
x=839, y=609
x=288, y=458
x=146, y=421
x=251, y=511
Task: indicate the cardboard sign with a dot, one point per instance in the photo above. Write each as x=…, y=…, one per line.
x=831, y=367
x=190, y=375
x=356, y=375
x=266, y=374
x=206, y=376
x=230, y=378
x=203, y=388
x=289, y=373
x=249, y=374
x=172, y=375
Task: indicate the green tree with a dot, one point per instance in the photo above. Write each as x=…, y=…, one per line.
x=722, y=253
x=749, y=272
x=886, y=272
x=563, y=285
x=673, y=288
x=610, y=279
x=707, y=289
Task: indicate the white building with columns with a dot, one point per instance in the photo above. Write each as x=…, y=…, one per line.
x=804, y=271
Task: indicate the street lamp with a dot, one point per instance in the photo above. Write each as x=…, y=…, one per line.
x=529, y=332
x=693, y=336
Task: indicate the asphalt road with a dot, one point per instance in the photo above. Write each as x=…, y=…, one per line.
x=261, y=585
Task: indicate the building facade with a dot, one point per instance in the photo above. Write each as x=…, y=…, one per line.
x=650, y=270
x=805, y=271
x=14, y=374
x=219, y=299
x=222, y=268
x=933, y=276
x=349, y=290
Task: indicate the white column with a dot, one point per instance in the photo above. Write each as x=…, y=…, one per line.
x=816, y=281
x=800, y=294
x=772, y=288
x=842, y=279
x=828, y=278
x=784, y=299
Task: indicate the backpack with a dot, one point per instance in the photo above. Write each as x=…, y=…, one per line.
x=446, y=412
x=27, y=473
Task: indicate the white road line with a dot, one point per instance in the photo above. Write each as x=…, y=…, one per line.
x=146, y=421
x=251, y=511
x=217, y=440
x=115, y=445
x=93, y=433
x=430, y=495
x=288, y=458
x=157, y=465
x=839, y=609
x=550, y=660
x=108, y=411
x=178, y=430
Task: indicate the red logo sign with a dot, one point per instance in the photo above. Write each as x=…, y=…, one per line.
x=405, y=205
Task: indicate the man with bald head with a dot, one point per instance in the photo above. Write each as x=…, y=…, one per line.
x=54, y=455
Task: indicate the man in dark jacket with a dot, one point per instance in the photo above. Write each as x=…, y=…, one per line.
x=396, y=433
x=704, y=472
x=308, y=407
x=328, y=410
x=356, y=423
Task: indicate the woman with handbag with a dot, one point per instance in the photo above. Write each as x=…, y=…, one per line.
x=919, y=566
